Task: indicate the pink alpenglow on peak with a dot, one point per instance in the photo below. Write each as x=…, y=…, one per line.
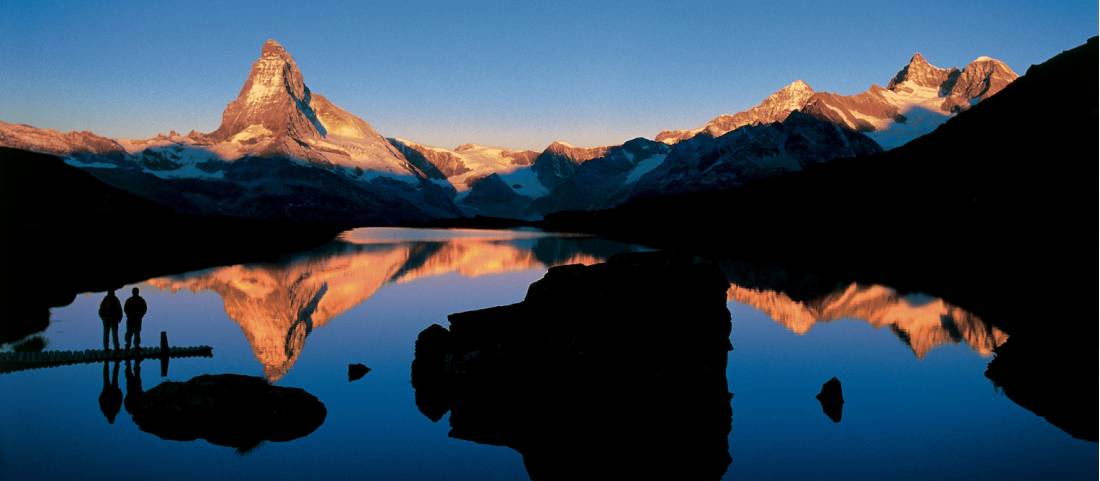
x=920, y=97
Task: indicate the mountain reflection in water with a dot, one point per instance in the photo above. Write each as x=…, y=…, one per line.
x=921, y=323
x=278, y=304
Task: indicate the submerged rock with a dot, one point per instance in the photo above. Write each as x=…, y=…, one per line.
x=609, y=371
x=228, y=410
x=831, y=399
x=357, y=371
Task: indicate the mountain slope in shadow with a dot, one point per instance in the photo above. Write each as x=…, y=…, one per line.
x=994, y=199
x=66, y=232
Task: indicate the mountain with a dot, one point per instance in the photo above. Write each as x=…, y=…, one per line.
x=467, y=162
x=565, y=177
x=49, y=141
x=606, y=180
x=558, y=162
x=775, y=108
x=989, y=176
x=751, y=152
x=919, y=98
x=281, y=152
x=989, y=206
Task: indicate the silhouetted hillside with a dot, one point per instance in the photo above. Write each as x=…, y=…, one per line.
x=997, y=192
x=993, y=211
x=66, y=232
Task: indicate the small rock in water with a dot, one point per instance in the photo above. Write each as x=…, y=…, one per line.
x=832, y=399
x=357, y=371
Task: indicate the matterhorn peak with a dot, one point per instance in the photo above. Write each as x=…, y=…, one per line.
x=272, y=47
x=274, y=99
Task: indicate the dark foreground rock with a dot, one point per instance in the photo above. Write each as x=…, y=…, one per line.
x=1050, y=382
x=610, y=371
x=357, y=371
x=831, y=399
x=228, y=410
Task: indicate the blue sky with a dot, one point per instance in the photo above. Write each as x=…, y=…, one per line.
x=516, y=74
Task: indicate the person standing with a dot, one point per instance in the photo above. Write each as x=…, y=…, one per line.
x=135, y=311
x=110, y=312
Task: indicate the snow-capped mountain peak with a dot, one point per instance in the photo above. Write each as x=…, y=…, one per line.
x=775, y=108
x=916, y=100
x=922, y=74
x=274, y=97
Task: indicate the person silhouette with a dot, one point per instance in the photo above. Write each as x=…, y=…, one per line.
x=110, y=312
x=133, y=387
x=110, y=398
x=135, y=310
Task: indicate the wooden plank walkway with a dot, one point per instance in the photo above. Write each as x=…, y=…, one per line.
x=20, y=361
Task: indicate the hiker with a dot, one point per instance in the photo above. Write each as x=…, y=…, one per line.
x=135, y=310
x=110, y=312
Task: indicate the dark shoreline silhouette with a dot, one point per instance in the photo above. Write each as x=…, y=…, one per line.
x=611, y=371
x=992, y=212
x=68, y=231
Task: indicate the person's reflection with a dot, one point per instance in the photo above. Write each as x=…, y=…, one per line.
x=110, y=312
x=135, y=310
x=110, y=399
x=133, y=386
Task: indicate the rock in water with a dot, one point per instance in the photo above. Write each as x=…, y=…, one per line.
x=609, y=371
x=357, y=371
x=228, y=410
x=832, y=400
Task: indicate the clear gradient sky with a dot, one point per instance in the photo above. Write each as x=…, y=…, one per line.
x=508, y=73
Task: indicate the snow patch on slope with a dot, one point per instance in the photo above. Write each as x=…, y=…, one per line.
x=528, y=181
x=644, y=167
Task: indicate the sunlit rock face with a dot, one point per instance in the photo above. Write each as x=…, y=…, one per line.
x=281, y=151
x=923, y=324
x=919, y=97
x=467, y=163
x=278, y=305
x=775, y=108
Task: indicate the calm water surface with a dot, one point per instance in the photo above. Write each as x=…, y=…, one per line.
x=917, y=403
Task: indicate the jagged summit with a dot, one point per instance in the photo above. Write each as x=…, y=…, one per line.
x=921, y=73
x=271, y=46
x=796, y=86
x=276, y=114
x=274, y=98
x=916, y=100
x=775, y=108
x=560, y=144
